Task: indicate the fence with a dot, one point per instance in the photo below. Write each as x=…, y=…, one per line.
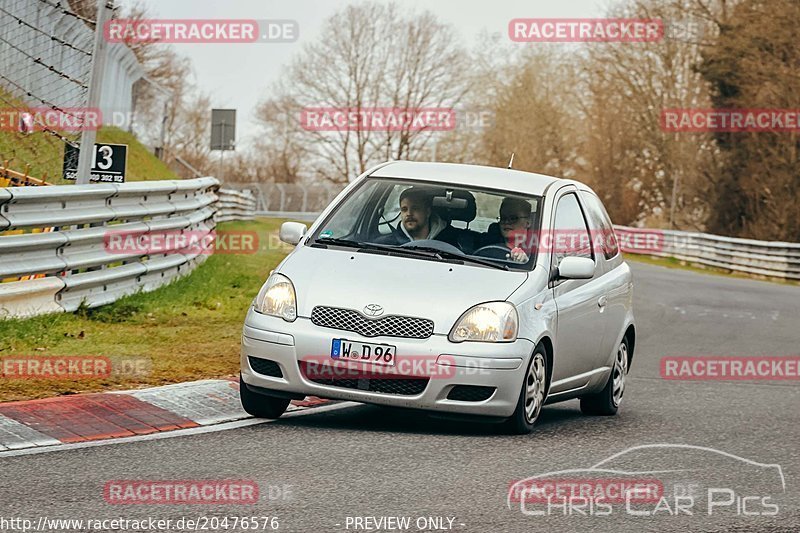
x=290, y=198
x=61, y=257
x=46, y=52
x=766, y=258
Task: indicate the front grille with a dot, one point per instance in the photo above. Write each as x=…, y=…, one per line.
x=399, y=385
x=470, y=393
x=265, y=367
x=389, y=326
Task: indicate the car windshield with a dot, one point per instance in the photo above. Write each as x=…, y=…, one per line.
x=441, y=221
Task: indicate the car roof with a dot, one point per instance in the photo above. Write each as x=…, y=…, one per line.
x=470, y=175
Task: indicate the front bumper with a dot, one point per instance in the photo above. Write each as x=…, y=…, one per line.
x=497, y=365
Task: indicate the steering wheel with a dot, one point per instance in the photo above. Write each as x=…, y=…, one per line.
x=493, y=251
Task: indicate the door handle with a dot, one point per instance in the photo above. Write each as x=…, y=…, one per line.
x=602, y=301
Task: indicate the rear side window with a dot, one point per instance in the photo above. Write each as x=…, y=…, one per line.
x=571, y=235
x=600, y=224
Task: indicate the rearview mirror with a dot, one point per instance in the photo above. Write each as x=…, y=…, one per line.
x=452, y=203
x=292, y=232
x=576, y=268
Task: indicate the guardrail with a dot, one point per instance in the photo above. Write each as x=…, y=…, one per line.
x=61, y=258
x=767, y=258
x=290, y=197
x=235, y=205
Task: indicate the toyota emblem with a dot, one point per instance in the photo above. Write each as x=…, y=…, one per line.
x=373, y=310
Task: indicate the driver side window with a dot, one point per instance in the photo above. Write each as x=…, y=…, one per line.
x=570, y=236
x=391, y=211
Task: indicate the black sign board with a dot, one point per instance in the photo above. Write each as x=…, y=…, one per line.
x=223, y=129
x=108, y=164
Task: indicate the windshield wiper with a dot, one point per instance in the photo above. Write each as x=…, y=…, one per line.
x=370, y=246
x=462, y=257
x=427, y=252
x=340, y=242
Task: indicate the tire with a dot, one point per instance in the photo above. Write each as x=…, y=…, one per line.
x=607, y=401
x=531, y=396
x=259, y=405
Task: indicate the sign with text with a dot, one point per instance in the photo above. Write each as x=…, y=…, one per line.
x=108, y=163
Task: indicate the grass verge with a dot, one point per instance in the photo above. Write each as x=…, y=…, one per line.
x=185, y=331
x=41, y=154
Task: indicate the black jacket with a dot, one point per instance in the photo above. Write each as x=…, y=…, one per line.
x=492, y=236
x=397, y=237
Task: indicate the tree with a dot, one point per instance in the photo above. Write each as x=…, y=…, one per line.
x=754, y=64
x=646, y=174
x=367, y=56
x=535, y=116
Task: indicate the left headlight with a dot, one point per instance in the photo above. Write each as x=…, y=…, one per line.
x=488, y=322
x=277, y=298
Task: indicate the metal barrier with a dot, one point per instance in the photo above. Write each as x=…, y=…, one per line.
x=73, y=264
x=766, y=258
x=290, y=197
x=235, y=205
x=56, y=241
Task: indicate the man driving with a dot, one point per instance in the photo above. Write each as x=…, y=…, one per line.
x=418, y=221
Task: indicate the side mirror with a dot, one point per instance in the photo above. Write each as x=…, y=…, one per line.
x=292, y=232
x=576, y=268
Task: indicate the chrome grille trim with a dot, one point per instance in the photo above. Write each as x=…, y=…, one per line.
x=388, y=326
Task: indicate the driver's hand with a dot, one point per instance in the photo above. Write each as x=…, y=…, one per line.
x=518, y=255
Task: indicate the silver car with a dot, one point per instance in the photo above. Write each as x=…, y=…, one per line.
x=461, y=289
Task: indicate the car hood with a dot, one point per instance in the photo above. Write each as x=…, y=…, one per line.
x=350, y=279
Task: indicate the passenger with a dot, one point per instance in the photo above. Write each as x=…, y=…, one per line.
x=418, y=221
x=512, y=229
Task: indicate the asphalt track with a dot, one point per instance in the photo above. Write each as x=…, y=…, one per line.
x=362, y=461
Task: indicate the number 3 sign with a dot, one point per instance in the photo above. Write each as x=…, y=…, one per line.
x=108, y=162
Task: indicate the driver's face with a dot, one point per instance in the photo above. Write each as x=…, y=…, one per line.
x=415, y=215
x=512, y=222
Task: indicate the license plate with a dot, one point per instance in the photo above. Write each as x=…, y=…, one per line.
x=363, y=352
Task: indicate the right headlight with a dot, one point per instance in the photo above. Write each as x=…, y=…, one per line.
x=277, y=298
x=487, y=322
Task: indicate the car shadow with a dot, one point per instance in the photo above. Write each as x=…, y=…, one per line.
x=375, y=418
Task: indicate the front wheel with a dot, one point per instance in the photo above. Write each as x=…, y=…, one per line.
x=607, y=401
x=531, y=397
x=259, y=405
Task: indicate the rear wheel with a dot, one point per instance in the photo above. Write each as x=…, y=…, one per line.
x=531, y=397
x=259, y=405
x=607, y=401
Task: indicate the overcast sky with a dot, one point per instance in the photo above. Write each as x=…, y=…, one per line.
x=239, y=75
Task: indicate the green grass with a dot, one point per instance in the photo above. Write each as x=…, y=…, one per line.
x=185, y=331
x=41, y=154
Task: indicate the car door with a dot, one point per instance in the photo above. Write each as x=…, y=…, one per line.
x=615, y=280
x=579, y=303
